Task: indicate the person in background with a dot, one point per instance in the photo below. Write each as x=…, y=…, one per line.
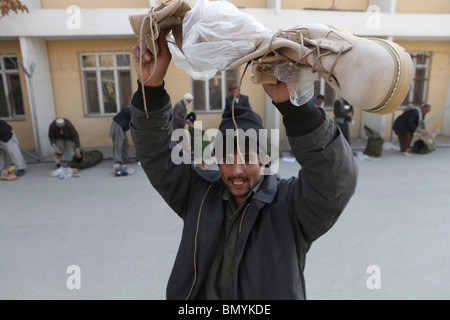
x=317, y=101
x=190, y=120
x=410, y=121
x=118, y=132
x=64, y=140
x=343, y=114
x=180, y=111
x=9, y=144
x=241, y=100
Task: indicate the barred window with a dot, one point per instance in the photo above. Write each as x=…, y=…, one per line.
x=107, y=82
x=209, y=96
x=419, y=87
x=11, y=99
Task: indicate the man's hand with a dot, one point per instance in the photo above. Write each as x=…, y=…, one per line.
x=278, y=92
x=78, y=153
x=148, y=66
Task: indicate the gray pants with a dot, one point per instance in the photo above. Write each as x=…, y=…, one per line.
x=68, y=150
x=12, y=149
x=120, y=140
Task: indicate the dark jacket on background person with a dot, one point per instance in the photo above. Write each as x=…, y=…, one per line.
x=242, y=101
x=123, y=118
x=179, y=115
x=68, y=133
x=282, y=220
x=409, y=120
x=6, y=131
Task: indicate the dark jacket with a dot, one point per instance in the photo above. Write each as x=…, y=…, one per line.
x=283, y=219
x=123, y=118
x=243, y=101
x=6, y=131
x=68, y=133
x=179, y=115
x=409, y=120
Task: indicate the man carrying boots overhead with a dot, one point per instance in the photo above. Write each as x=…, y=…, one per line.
x=245, y=234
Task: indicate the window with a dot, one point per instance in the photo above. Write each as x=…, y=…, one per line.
x=209, y=96
x=106, y=82
x=419, y=87
x=323, y=88
x=11, y=99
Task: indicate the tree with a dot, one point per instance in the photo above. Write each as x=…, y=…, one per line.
x=12, y=5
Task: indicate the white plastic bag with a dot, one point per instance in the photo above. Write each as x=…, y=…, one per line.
x=215, y=34
x=300, y=82
x=62, y=173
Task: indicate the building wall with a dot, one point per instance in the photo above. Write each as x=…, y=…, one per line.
x=94, y=130
x=22, y=128
x=423, y=7
x=68, y=90
x=359, y=5
x=93, y=4
x=250, y=3
x=439, y=78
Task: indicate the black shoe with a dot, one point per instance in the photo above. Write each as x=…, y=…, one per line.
x=21, y=172
x=58, y=165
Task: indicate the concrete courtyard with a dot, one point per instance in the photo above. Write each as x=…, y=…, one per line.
x=392, y=242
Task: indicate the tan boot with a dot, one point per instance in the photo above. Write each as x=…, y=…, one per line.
x=371, y=74
x=166, y=16
x=8, y=176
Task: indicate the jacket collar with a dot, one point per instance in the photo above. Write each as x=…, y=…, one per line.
x=268, y=189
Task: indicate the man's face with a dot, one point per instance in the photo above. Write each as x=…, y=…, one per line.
x=240, y=178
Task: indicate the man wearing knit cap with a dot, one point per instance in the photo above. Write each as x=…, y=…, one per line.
x=240, y=100
x=64, y=140
x=180, y=111
x=245, y=234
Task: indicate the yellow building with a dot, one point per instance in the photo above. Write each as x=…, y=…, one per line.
x=67, y=58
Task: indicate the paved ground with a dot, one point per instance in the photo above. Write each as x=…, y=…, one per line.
x=123, y=237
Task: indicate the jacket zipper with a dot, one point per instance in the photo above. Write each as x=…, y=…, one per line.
x=195, y=246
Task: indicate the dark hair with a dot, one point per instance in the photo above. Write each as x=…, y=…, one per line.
x=320, y=96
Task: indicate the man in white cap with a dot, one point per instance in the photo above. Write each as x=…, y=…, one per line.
x=64, y=140
x=180, y=111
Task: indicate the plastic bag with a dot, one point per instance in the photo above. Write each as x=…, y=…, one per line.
x=63, y=173
x=300, y=82
x=215, y=34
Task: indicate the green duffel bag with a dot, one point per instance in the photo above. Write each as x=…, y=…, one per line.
x=375, y=143
x=88, y=159
x=422, y=147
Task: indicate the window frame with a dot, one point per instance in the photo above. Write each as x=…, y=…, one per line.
x=98, y=68
x=224, y=92
x=415, y=55
x=4, y=72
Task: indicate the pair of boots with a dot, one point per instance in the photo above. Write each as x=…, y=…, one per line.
x=371, y=74
x=8, y=176
x=121, y=170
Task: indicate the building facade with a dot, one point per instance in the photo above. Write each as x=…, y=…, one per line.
x=72, y=59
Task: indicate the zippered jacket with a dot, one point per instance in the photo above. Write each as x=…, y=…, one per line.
x=283, y=218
